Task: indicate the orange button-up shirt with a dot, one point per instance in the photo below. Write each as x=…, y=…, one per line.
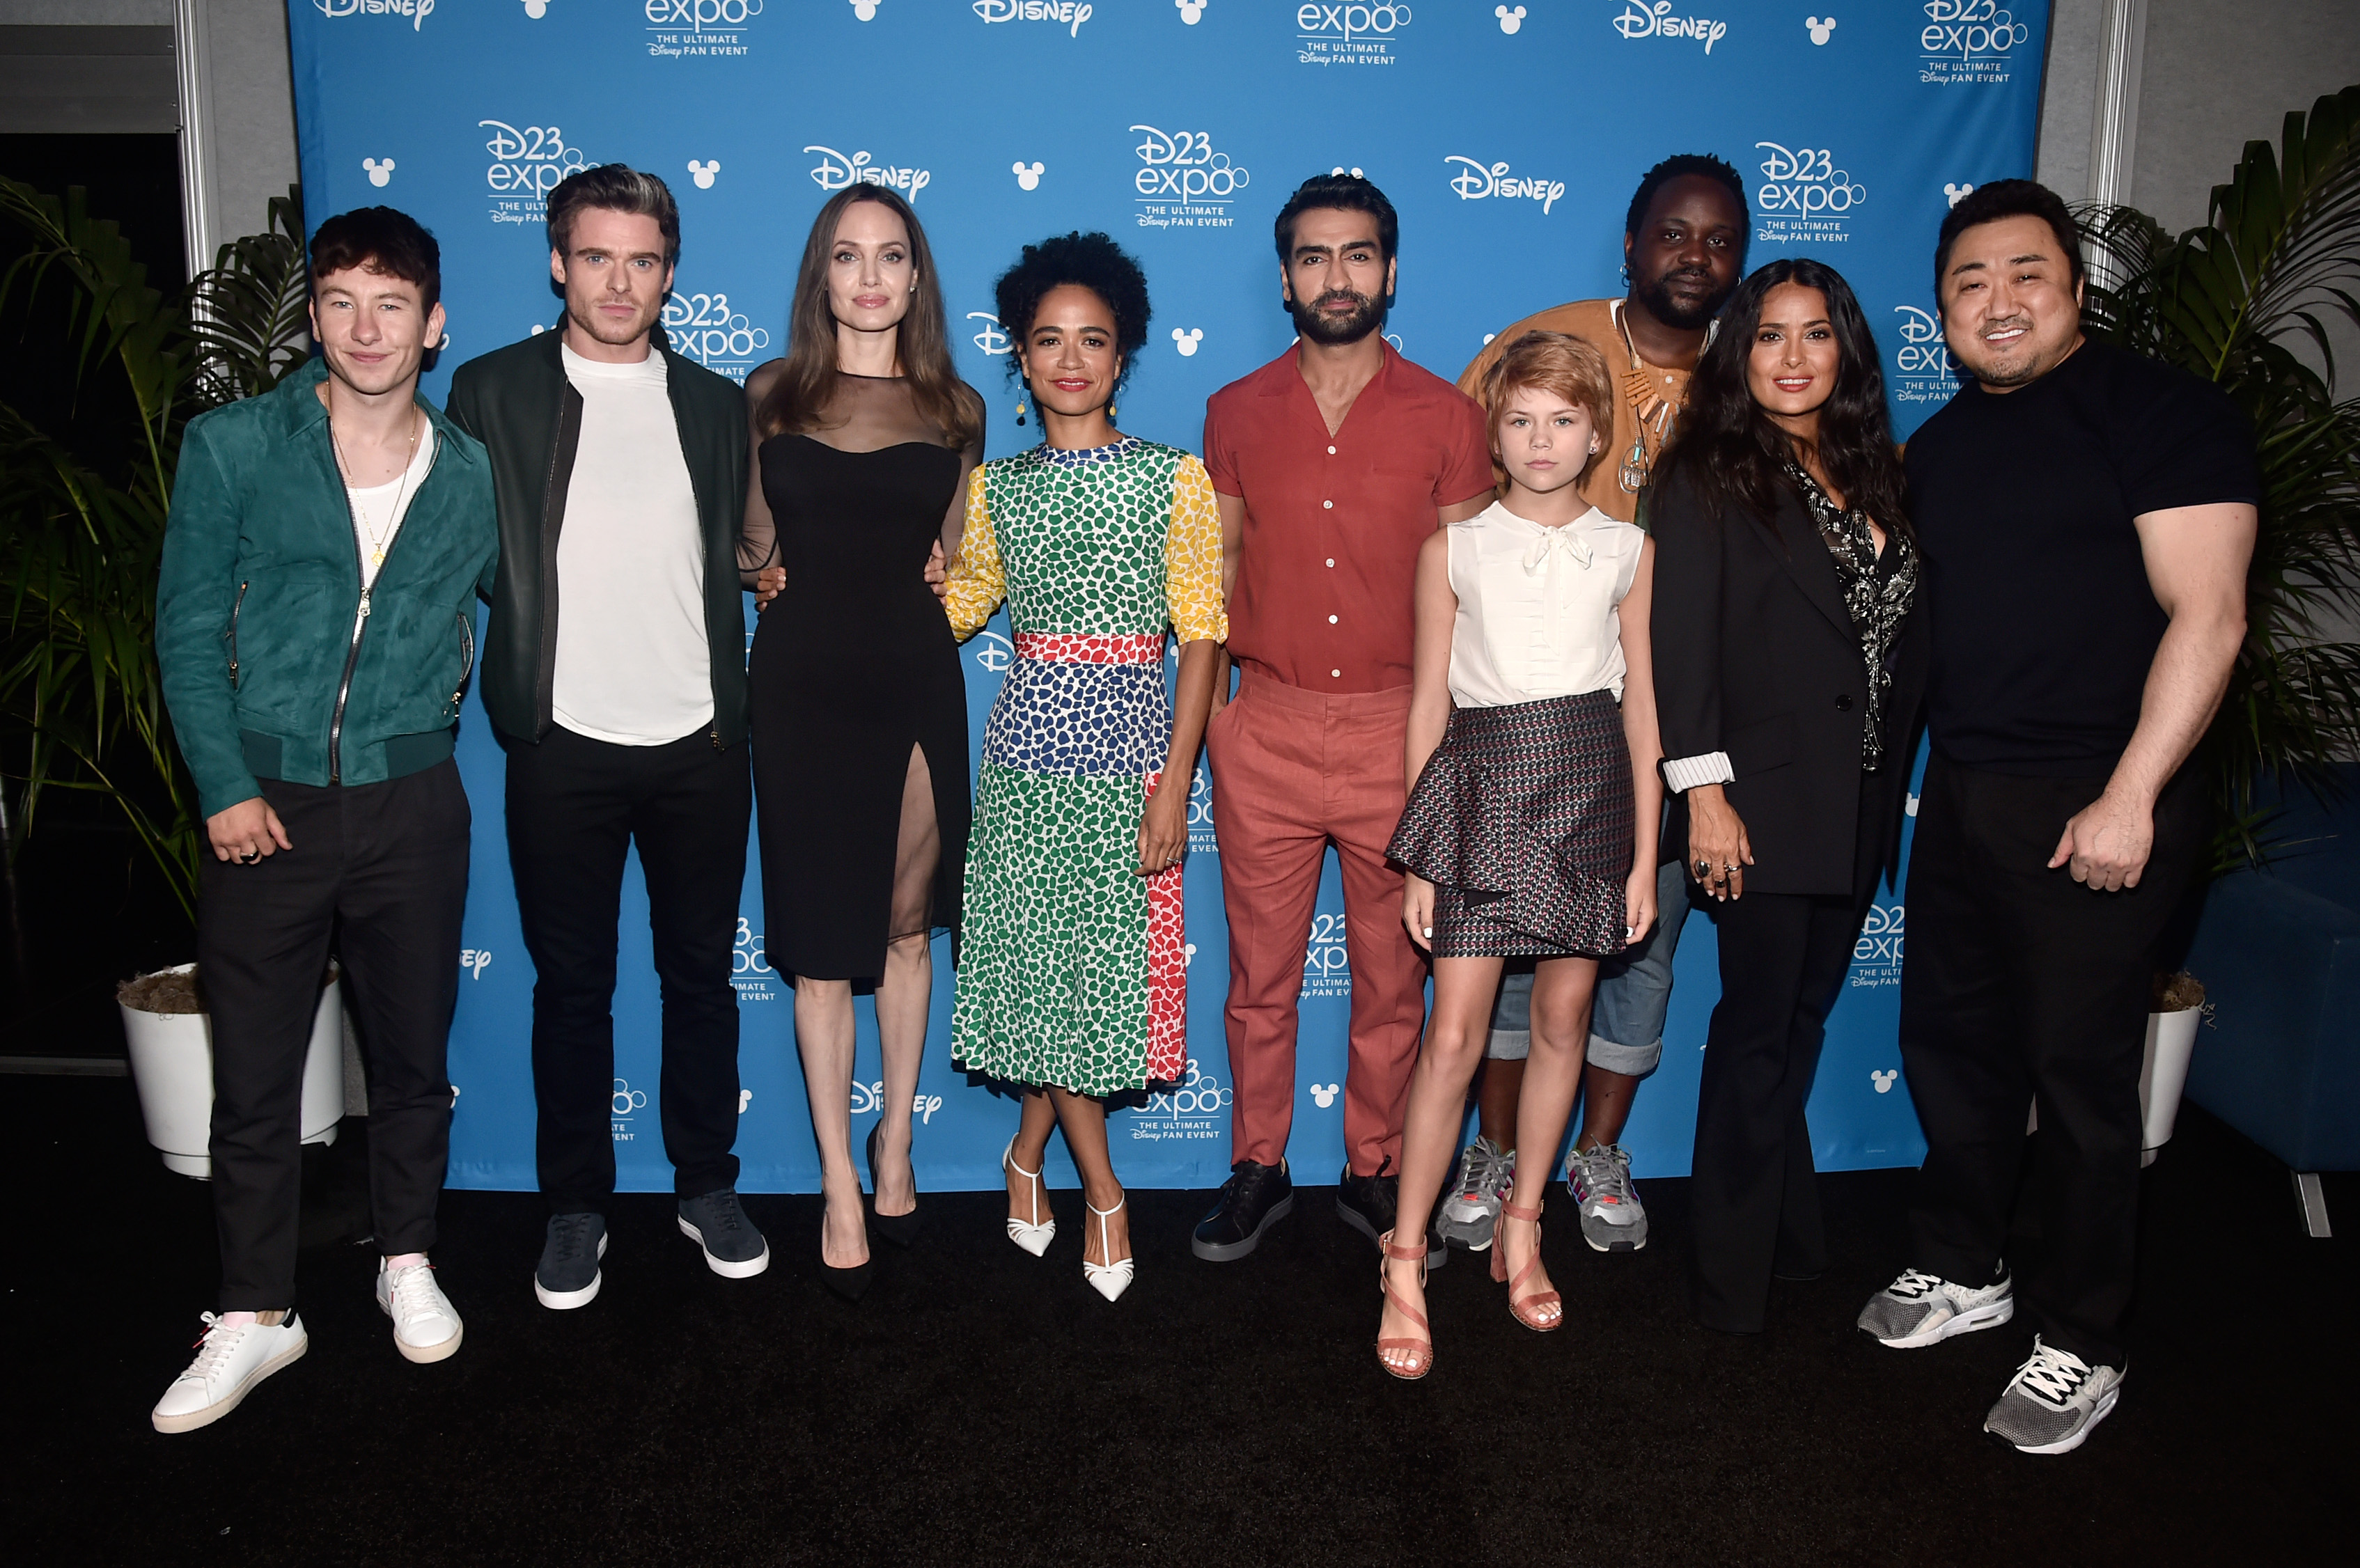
x=1327, y=567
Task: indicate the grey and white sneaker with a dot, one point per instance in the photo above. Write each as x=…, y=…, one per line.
x=1612, y=1218
x=733, y=1248
x=567, y=1275
x=425, y=1326
x=1920, y=1309
x=230, y=1361
x=2053, y=1401
x=1471, y=1213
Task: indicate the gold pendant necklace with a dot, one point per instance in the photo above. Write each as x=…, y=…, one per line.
x=1650, y=409
x=378, y=538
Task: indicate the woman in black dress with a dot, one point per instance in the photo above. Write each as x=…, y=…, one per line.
x=1789, y=669
x=863, y=439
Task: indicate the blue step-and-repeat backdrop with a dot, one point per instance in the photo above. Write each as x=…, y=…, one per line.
x=1510, y=136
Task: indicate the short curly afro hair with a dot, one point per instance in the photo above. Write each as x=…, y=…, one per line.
x=1093, y=262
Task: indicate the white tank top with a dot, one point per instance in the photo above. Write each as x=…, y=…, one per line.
x=1537, y=614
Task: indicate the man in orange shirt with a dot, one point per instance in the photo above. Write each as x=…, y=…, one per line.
x=1684, y=251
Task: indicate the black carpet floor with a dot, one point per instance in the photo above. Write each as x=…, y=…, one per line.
x=981, y=1406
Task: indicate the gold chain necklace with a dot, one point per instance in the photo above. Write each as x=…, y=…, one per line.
x=378, y=538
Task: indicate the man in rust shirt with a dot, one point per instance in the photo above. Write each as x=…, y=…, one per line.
x=1333, y=465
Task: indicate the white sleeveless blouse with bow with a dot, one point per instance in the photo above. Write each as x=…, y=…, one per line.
x=1537, y=606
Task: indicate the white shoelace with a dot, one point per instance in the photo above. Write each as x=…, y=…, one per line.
x=413, y=1293
x=220, y=1341
x=2052, y=1375
x=1914, y=1285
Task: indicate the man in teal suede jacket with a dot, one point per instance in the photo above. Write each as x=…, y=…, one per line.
x=315, y=626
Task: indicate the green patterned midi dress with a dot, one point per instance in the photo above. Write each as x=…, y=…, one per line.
x=1072, y=965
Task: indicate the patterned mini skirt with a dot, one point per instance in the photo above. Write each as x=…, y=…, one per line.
x=1521, y=821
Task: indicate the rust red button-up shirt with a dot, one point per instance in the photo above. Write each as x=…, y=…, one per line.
x=1327, y=567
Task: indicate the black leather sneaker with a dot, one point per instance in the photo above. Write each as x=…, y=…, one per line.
x=1253, y=1199
x=1370, y=1203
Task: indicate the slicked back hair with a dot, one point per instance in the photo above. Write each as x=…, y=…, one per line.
x=617, y=187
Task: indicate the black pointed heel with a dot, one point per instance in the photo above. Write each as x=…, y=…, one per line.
x=902, y=1230
x=851, y=1284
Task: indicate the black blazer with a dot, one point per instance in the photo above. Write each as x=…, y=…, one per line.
x=1755, y=656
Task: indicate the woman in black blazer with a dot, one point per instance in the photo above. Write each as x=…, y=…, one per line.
x=1789, y=669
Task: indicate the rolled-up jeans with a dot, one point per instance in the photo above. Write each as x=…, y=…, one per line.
x=1634, y=993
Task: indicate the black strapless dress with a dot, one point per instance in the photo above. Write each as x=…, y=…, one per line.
x=853, y=664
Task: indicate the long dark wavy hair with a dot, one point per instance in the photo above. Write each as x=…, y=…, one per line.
x=799, y=399
x=1736, y=456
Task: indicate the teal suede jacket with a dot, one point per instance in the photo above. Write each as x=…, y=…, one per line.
x=263, y=670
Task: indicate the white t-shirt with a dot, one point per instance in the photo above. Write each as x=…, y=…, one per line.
x=378, y=509
x=633, y=664
x=1537, y=606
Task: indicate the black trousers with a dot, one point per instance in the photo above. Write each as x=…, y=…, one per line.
x=575, y=806
x=378, y=876
x=2018, y=982
x=1753, y=1191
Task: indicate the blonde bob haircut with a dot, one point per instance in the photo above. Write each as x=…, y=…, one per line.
x=1552, y=362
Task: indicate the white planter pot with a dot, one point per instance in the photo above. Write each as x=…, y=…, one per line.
x=2170, y=1042
x=172, y=1064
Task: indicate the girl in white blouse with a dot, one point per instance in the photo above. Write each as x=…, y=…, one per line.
x=1533, y=796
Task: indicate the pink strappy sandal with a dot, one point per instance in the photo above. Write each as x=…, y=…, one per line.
x=1421, y=1360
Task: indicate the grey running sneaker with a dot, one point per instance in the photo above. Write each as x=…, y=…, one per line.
x=2053, y=1401
x=1612, y=1218
x=733, y=1248
x=568, y=1273
x=1919, y=1309
x=1471, y=1213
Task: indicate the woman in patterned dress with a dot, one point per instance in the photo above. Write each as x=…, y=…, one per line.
x=1072, y=979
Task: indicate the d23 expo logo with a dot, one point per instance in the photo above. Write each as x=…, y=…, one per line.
x=1184, y=181
x=1200, y=812
x=750, y=966
x=1349, y=34
x=1969, y=41
x=685, y=29
x=628, y=1103
x=1190, y=1109
x=1327, y=964
x=527, y=162
x=1876, y=955
x=1923, y=369
x=704, y=328
x=836, y=171
x=1804, y=198
x=414, y=12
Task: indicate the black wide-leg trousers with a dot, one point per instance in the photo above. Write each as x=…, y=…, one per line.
x=2019, y=983
x=378, y=876
x=574, y=807
x=1753, y=1191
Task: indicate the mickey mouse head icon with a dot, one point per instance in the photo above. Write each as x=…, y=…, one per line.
x=1820, y=30
x=1028, y=175
x=744, y=1098
x=380, y=170
x=703, y=173
x=1510, y=21
x=1324, y=1094
x=1190, y=10
x=1957, y=193
x=864, y=10
x=1883, y=1080
x=1187, y=342
x=536, y=9
x=1188, y=954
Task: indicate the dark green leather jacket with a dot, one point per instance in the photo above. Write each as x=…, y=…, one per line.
x=263, y=670
x=517, y=401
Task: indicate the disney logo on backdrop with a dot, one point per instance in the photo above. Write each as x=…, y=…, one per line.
x=993, y=652
x=1657, y=21
x=416, y=10
x=993, y=338
x=1967, y=29
x=869, y=1097
x=474, y=960
x=1806, y=182
x=835, y=171
x=530, y=159
x=1477, y=181
x=1067, y=13
x=704, y=328
x=1181, y=166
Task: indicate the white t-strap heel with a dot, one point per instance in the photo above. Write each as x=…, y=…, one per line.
x=1033, y=1237
x=1110, y=1280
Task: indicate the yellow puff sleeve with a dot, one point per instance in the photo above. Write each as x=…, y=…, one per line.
x=976, y=580
x=1192, y=558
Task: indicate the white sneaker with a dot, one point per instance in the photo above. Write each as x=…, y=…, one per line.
x=2054, y=1402
x=230, y=1362
x=1921, y=1309
x=425, y=1327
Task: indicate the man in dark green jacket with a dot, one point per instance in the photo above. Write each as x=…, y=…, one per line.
x=315, y=626
x=615, y=675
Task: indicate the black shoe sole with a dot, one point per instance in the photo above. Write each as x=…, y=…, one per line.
x=1230, y=1252
x=1437, y=1251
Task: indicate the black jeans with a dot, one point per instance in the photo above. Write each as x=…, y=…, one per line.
x=2019, y=983
x=378, y=873
x=575, y=806
x=1753, y=1192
